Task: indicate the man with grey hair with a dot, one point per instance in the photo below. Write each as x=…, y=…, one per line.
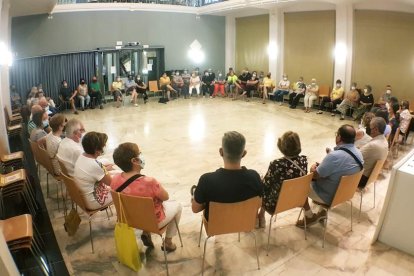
x=70, y=148
x=233, y=183
x=374, y=150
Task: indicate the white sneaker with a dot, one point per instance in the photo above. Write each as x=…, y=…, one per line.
x=280, y=103
x=135, y=104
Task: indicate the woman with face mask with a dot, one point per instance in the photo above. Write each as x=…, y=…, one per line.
x=365, y=103
x=117, y=90
x=83, y=94
x=268, y=86
x=194, y=84
x=282, y=89
x=130, y=159
x=38, y=135
x=350, y=102
x=335, y=98
x=312, y=92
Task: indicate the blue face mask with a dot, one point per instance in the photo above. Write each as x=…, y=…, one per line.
x=142, y=160
x=45, y=123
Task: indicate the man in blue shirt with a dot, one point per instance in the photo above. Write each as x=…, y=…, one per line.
x=345, y=159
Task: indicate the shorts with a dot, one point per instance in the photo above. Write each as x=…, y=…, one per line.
x=314, y=196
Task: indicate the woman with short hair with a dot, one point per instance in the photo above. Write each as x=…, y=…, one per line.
x=291, y=165
x=91, y=175
x=38, y=135
x=130, y=159
x=53, y=139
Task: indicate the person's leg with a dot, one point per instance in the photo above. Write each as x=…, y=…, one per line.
x=82, y=102
x=172, y=210
x=221, y=89
x=322, y=105
x=72, y=104
x=134, y=95
x=88, y=100
x=306, y=102
x=197, y=86
x=216, y=89
x=312, y=99
x=145, y=95
x=265, y=93
x=363, y=182
x=335, y=103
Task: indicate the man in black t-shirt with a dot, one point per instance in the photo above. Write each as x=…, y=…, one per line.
x=230, y=184
x=141, y=88
x=68, y=95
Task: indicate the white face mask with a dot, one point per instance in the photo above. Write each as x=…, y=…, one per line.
x=220, y=75
x=353, y=88
x=366, y=91
x=177, y=73
x=142, y=160
x=388, y=91
x=313, y=83
x=285, y=79
x=338, y=85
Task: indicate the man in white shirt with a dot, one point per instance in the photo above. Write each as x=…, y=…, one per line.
x=374, y=150
x=71, y=148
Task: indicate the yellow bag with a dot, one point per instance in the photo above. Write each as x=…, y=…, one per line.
x=126, y=244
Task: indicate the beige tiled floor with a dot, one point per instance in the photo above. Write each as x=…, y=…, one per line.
x=180, y=141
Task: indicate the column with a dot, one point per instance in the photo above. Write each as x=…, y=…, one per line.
x=343, y=44
x=230, y=51
x=276, y=43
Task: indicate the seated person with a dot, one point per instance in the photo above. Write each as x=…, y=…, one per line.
x=335, y=98
x=242, y=80
x=251, y=85
x=374, y=150
x=219, y=85
x=30, y=124
x=186, y=83
x=90, y=174
x=15, y=97
x=141, y=89
x=230, y=184
x=231, y=84
x=67, y=95
x=95, y=92
x=394, y=119
x=291, y=165
x=385, y=98
x=282, y=89
x=53, y=139
x=268, y=85
x=385, y=115
x=351, y=101
x=129, y=158
x=83, y=95
x=165, y=85
x=299, y=90
x=177, y=82
x=38, y=135
x=366, y=101
x=328, y=173
x=206, y=84
x=405, y=119
x=117, y=90
x=50, y=111
x=195, y=83
x=312, y=92
x=70, y=147
x=363, y=133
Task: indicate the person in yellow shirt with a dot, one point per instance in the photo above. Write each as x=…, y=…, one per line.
x=335, y=98
x=268, y=85
x=117, y=89
x=165, y=84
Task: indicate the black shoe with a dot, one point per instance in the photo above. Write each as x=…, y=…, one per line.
x=101, y=106
x=146, y=240
x=83, y=109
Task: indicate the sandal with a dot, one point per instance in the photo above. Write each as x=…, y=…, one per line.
x=169, y=248
x=146, y=240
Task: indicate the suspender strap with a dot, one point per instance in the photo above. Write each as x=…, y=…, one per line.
x=353, y=155
x=129, y=181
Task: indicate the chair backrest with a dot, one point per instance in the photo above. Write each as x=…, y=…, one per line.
x=395, y=139
x=45, y=160
x=153, y=86
x=74, y=192
x=7, y=115
x=139, y=211
x=62, y=167
x=376, y=171
x=225, y=218
x=35, y=150
x=324, y=90
x=347, y=188
x=294, y=193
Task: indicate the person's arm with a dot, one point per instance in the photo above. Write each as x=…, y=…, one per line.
x=163, y=194
x=196, y=207
x=197, y=201
x=74, y=94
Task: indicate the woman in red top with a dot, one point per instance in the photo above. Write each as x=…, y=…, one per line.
x=129, y=158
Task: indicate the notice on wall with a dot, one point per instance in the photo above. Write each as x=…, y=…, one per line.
x=113, y=69
x=149, y=67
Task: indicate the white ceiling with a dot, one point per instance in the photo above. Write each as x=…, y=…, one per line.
x=30, y=7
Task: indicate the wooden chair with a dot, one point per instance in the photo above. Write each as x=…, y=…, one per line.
x=372, y=179
x=140, y=214
x=346, y=190
x=12, y=120
x=77, y=197
x=394, y=147
x=12, y=161
x=226, y=218
x=18, y=233
x=153, y=87
x=293, y=194
x=324, y=91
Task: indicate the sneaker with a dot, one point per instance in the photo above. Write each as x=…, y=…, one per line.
x=319, y=112
x=309, y=221
x=146, y=240
x=211, y=97
x=135, y=104
x=342, y=117
x=83, y=109
x=332, y=114
x=322, y=215
x=76, y=112
x=169, y=247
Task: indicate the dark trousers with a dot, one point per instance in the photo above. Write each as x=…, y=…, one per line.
x=207, y=89
x=326, y=100
x=363, y=181
x=97, y=96
x=294, y=99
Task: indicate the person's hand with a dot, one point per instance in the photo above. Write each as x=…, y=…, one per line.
x=109, y=167
x=314, y=166
x=328, y=150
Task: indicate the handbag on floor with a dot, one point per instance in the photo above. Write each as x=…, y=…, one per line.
x=72, y=221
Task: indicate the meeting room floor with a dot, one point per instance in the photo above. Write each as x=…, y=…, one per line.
x=180, y=141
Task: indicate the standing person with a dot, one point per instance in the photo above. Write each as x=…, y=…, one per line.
x=95, y=92
x=141, y=89
x=165, y=85
x=312, y=92
x=291, y=165
x=66, y=94
x=299, y=90
x=268, y=85
x=83, y=94
x=178, y=83
x=219, y=85
x=186, y=83
x=131, y=160
x=194, y=84
x=233, y=183
x=335, y=98
x=282, y=89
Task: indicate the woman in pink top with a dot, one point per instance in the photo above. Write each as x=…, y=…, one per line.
x=129, y=158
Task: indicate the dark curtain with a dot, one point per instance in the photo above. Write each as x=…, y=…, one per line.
x=50, y=71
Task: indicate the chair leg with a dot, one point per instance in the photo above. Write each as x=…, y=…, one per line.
x=39, y=262
x=57, y=195
x=374, y=192
x=324, y=230
x=257, y=250
x=239, y=236
x=165, y=255
x=304, y=220
x=201, y=230
x=268, y=236
x=351, y=215
x=90, y=234
x=360, y=204
x=107, y=215
x=47, y=184
x=204, y=255
x=179, y=233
